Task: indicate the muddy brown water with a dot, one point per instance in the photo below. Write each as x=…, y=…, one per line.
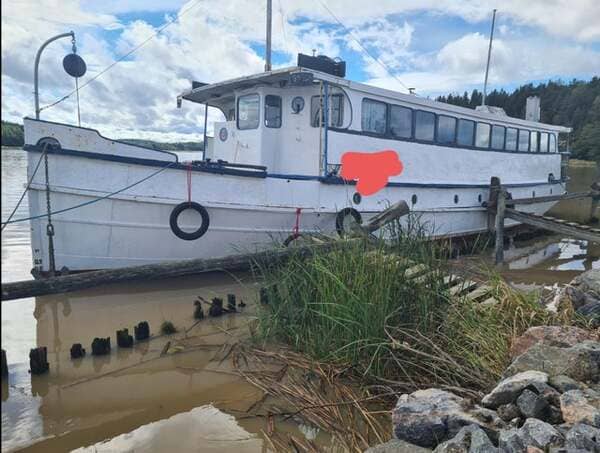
x=189, y=398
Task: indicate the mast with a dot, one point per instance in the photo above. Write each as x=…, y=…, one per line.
x=268, y=45
x=487, y=67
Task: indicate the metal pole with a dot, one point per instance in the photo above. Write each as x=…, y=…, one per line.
x=487, y=66
x=205, y=125
x=268, y=46
x=35, y=69
x=326, y=125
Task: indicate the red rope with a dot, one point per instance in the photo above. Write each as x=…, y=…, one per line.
x=297, y=226
x=189, y=181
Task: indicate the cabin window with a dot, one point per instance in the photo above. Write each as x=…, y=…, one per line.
x=523, y=140
x=272, y=110
x=498, y=133
x=446, y=132
x=552, y=143
x=336, y=111
x=373, y=117
x=248, y=111
x=544, y=142
x=466, y=131
x=482, y=135
x=400, y=121
x=533, y=142
x=511, y=139
x=424, y=125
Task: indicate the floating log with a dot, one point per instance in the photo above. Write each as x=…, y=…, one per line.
x=83, y=280
x=38, y=360
x=101, y=346
x=124, y=340
x=4, y=364
x=77, y=351
x=142, y=331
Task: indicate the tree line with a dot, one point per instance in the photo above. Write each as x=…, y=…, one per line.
x=574, y=104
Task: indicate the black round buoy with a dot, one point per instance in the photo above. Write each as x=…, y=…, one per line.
x=74, y=65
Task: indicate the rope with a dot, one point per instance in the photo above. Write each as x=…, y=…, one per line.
x=78, y=109
x=49, y=226
x=60, y=211
x=364, y=48
x=189, y=182
x=122, y=57
x=26, y=188
x=296, y=231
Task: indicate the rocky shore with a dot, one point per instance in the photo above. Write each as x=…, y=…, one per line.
x=548, y=399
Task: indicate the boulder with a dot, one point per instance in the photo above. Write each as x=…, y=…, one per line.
x=533, y=405
x=583, y=437
x=507, y=390
x=580, y=362
x=510, y=441
x=508, y=412
x=588, y=282
x=578, y=407
x=470, y=439
x=564, y=383
x=539, y=434
x=397, y=446
x=591, y=311
x=430, y=417
x=560, y=336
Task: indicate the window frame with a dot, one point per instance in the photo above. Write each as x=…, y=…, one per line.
x=437, y=129
x=551, y=137
x=537, y=141
x=503, y=137
x=489, y=135
x=547, y=142
x=389, y=122
x=519, y=141
x=341, y=116
x=424, y=140
x=474, y=123
x=386, y=128
x=237, y=109
x=516, y=148
x=280, y=111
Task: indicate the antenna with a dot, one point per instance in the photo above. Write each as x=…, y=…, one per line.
x=487, y=66
x=268, y=46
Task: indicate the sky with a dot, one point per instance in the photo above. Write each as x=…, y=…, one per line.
x=434, y=46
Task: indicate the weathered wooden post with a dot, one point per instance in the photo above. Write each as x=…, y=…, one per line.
x=198, y=311
x=38, y=360
x=4, y=365
x=595, y=202
x=101, y=346
x=216, y=308
x=231, y=303
x=124, y=340
x=499, y=227
x=77, y=351
x=495, y=188
x=142, y=331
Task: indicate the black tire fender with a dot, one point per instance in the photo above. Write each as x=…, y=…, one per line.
x=341, y=216
x=175, y=216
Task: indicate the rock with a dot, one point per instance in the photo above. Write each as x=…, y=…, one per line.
x=531, y=449
x=397, y=446
x=580, y=362
x=554, y=416
x=510, y=441
x=509, y=389
x=470, y=439
x=591, y=311
x=583, y=437
x=577, y=407
x=533, y=405
x=559, y=336
x=508, y=412
x=429, y=417
x=564, y=383
x=588, y=282
x=539, y=434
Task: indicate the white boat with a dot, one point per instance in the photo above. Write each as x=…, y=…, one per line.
x=273, y=169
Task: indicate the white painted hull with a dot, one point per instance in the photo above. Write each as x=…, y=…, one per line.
x=246, y=213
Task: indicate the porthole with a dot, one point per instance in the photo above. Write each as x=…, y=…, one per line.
x=455, y=199
x=357, y=198
x=414, y=199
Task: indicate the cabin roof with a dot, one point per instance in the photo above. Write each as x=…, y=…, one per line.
x=211, y=92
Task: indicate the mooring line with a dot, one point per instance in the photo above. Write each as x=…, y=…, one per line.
x=60, y=211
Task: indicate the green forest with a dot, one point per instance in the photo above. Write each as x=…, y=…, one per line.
x=12, y=135
x=575, y=104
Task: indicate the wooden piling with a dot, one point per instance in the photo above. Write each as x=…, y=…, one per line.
x=499, y=227
x=124, y=340
x=38, y=360
x=77, y=351
x=142, y=331
x=101, y=346
x=4, y=365
x=594, y=215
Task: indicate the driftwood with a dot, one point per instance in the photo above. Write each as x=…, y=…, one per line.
x=76, y=282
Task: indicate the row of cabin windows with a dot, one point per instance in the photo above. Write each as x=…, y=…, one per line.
x=403, y=122
x=249, y=108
